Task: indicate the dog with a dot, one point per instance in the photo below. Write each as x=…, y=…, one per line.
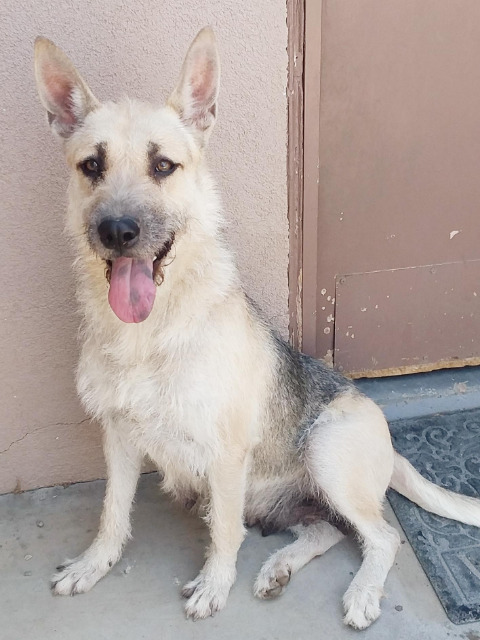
x=179, y=365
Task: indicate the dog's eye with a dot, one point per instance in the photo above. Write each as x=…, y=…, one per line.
x=91, y=168
x=164, y=167
x=91, y=165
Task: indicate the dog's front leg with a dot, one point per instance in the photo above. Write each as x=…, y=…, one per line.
x=209, y=591
x=123, y=470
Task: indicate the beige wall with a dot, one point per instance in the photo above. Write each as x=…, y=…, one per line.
x=134, y=48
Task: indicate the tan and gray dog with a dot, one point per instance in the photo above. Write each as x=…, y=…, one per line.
x=178, y=365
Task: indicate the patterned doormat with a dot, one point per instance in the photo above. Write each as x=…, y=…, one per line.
x=445, y=448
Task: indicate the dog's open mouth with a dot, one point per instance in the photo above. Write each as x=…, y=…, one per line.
x=133, y=284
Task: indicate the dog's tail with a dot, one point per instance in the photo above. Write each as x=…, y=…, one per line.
x=407, y=481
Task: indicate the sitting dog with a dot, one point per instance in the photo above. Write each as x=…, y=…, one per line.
x=178, y=364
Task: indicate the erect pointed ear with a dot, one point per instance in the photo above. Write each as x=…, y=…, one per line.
x=195, y=96
x=63, y=92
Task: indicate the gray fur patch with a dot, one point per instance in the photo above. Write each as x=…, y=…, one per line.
x=303, y=387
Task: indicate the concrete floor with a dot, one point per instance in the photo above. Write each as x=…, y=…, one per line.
x=140, y=598
x=423, y=394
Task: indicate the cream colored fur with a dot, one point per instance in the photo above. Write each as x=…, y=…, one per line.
x=190, y=386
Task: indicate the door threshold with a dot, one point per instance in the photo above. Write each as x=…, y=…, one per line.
x=422, y=394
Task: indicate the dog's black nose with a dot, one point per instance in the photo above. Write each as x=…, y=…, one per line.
x=118, y=234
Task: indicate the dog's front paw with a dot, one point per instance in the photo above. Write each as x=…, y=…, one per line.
x=362, y=606
x=206, y=596
x=78, y=576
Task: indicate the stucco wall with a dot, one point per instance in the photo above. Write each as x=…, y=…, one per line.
x=121, y=48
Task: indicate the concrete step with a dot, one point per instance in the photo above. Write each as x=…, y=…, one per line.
x=423, y=394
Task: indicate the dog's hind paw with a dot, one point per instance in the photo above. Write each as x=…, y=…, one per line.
x=362, y=606
x=272, y=580
x=205, y=596
x=78, y=576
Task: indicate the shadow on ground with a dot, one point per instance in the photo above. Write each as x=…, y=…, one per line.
x=140, y=598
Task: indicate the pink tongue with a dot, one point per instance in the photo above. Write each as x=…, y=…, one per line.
x=132, y=290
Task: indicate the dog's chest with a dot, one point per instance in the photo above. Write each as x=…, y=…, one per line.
x=164, y=405
x=108, y=385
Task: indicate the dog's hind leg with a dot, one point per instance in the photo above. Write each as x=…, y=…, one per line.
x=312, y=540
x=350, y=457
x=362, y=598
x=123, y=470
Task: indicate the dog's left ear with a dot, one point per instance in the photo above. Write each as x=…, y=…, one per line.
x=195, y=96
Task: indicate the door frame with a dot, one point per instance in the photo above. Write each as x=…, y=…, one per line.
x=295, y=159
x=304, y=22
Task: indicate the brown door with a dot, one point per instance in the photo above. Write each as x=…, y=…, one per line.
x=391, y=247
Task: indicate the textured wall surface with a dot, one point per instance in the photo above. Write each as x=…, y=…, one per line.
x=137, y=49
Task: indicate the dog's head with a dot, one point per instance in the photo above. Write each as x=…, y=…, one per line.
x=136, y=169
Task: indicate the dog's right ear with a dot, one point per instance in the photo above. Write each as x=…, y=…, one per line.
x=63, y=92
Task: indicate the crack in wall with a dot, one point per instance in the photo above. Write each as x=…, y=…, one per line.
x=47, y=426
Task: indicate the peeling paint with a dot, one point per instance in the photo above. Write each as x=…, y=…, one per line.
x=323, y=292
x=404, y=283
x=415, y=368
x=330, y=318
x=299, y=306
x=328, y=358
x=454, y=233
x=326, y=330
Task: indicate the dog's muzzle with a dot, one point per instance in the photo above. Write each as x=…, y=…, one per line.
x=132, y=279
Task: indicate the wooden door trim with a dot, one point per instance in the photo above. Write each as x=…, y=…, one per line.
x=311, y=195
x=295, y=178
x=304, y=20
